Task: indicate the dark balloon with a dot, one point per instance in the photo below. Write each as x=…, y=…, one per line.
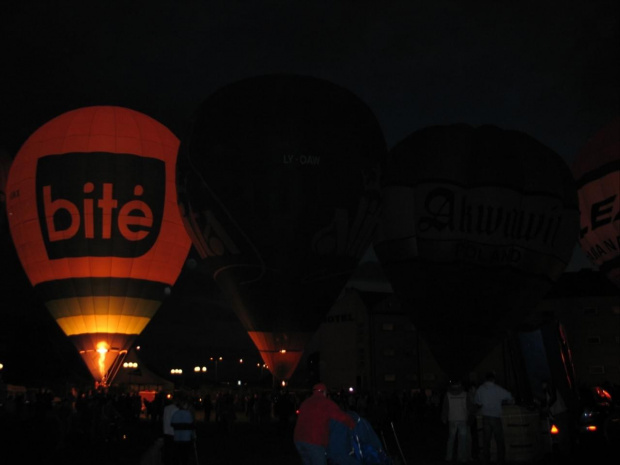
x=93, y=213
x=478, y=224
x=597, y=173
x=279, y=186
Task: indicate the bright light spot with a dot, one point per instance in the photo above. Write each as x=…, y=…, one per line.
x=176, y=371
x=603, y=393
x=204, y=369
x=282, y=351
x=283, y=383
x=591, y=427
x=240, y=360
x=239, y=382
x=351, y=389
x=554, y=429
x=1, y=366
x=102, y=349
x=196, y=369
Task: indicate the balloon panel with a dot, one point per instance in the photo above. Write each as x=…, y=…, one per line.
x=94, y=218
x=597, y=173
x=279, y=190
x=478, y=224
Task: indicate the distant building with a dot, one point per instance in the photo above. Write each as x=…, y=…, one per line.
x=367, y=340
x=589, y=307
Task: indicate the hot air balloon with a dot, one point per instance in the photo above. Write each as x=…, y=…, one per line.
x=478, y=224
x=5, y=165
x=93, y=214
x=597, y=173
x=279, y=186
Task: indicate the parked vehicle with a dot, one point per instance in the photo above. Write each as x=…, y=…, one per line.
x=598, y=424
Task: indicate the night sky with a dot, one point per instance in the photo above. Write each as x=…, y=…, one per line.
x=548, y=68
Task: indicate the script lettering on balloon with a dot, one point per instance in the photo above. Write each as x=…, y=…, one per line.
x=341, y=238
x=487, y=225
x=213, y=240
x=492, y=214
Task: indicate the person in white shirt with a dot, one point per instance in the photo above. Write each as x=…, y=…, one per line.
x=489, y=399
x=455, y=412
x=168, y=430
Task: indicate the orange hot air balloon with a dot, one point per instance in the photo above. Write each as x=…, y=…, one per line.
x=597, y=173
x=93, y=213
x=278, y=183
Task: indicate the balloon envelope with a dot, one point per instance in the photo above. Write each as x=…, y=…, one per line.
x=478, y=224
x=597, y=173
x=279, y=188
x=94, y=217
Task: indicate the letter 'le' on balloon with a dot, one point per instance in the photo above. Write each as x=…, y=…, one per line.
x=93, y=213
x=597, y=174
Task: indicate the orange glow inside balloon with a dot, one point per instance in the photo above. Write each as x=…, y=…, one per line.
x=280, y=352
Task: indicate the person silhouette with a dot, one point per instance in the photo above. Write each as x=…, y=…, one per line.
x=311, y=434
x=455, y=412
x=489, y=399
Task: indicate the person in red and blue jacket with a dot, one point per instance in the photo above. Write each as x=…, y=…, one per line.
x=311, y=434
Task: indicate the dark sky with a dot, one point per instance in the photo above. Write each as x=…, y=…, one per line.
x=548, y=68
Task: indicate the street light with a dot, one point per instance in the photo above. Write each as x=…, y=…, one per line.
x=133, y=366
x=260, y=374
x=216, y=360
x=177, y=372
